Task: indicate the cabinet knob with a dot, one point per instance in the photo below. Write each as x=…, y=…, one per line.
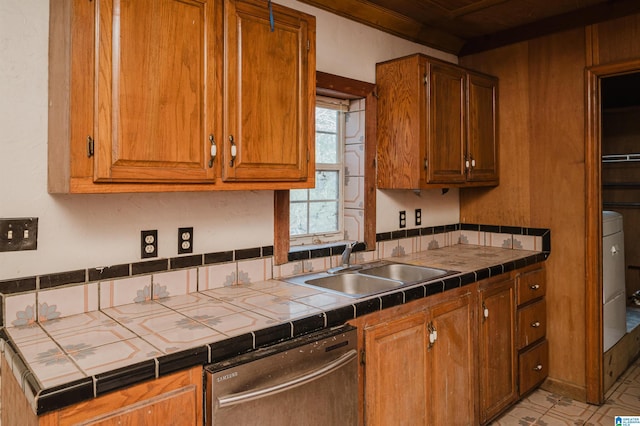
x=537, y=367
x=535, y=324
x=534, y=286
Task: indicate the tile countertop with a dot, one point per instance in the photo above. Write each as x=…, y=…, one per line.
x=63, y=361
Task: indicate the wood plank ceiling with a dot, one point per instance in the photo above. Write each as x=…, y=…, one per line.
x=463, y=27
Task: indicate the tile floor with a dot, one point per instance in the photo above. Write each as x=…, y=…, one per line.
x=543, y=408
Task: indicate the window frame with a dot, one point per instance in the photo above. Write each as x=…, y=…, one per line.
x=344, y=88
x=342, y=107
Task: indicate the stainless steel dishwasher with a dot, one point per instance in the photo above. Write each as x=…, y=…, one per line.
x=310, y=380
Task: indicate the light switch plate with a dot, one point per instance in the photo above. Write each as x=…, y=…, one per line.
x=19, y=234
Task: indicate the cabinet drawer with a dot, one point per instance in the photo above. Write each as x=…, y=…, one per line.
x=531, y=285
x=532, y=323
x=533, y=366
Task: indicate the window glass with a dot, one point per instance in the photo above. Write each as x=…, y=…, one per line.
x=316, y=214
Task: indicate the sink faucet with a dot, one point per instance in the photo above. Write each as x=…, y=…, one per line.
x=346, y=260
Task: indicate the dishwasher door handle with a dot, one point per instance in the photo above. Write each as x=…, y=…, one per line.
x=240, y=397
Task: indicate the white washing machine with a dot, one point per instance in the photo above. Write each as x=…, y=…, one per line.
x=613, y=279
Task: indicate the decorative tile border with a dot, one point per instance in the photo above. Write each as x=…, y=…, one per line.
x=140, y=281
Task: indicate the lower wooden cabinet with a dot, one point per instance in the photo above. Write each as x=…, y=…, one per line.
x=175, y=399
x=457, y=358
x=418, y=362
x=497, y=351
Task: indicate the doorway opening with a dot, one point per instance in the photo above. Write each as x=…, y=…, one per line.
x=612, y=90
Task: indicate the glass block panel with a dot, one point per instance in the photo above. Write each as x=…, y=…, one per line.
x=326, y=148
x=323, y=216
x=298, y=224
x=326, y=186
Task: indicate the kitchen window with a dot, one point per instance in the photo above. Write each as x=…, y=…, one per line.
x=316, y=214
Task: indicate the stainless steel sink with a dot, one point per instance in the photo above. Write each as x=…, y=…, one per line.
x=407, y=274
x=374, y=278
x=347, y=283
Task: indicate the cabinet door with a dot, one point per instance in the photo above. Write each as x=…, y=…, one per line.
x=482, y=154
x=396, y=372
x=269, y=93
x=497, y=355
x=452, y=363
x=446, y=139
x=155, y=90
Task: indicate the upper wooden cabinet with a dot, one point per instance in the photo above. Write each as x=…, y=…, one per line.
x=270, y=81
x=158, y=95
x=436, y=125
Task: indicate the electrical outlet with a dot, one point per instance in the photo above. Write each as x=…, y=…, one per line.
x=418, y=217
x=149, y=244
x=185, y=240
x=19, y=234
x=403, y=219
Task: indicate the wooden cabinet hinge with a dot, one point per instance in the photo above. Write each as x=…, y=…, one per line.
x=362, y=357
x=90, y=146
x=308, y=45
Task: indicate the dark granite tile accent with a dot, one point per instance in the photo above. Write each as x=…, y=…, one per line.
x=438, y=229
x=307, y=325
x=63, y=278
x=186, y=261
x=541, y=257
x=396, y=235
x=393, y=299
x=520, y=263
x=537, y=232
x=469, y=227
x=64, y=395
x=413, y=232
x=383, y=236
x=267, y=251
x=468, y=278
x=18, y=285
x=299, y=255
x=231, y=347
x=451, y=283
x=218, y=257
x=249, y=253
x=481, y=274
x=320, y=252
x=434, y=288
x=511, y=230
x=509, y=266
x=271, y=335
x=148, y=267
x=427, y=230
x=452, y=227
x=338, y=249
x=360, y=246
x=489, y=228
x=367, y=306
x=182, y=360
x=414, y=293
x=109, y=272
x=125, y=376
x=2, y=312
x=340, y=315
x=546, y=241
x=496, y=270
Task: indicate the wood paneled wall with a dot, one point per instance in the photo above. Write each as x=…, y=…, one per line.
x=542, y=168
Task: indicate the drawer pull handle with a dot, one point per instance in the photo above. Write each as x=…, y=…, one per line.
x=537, y=367
x=534, y=287
x=535, y=324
